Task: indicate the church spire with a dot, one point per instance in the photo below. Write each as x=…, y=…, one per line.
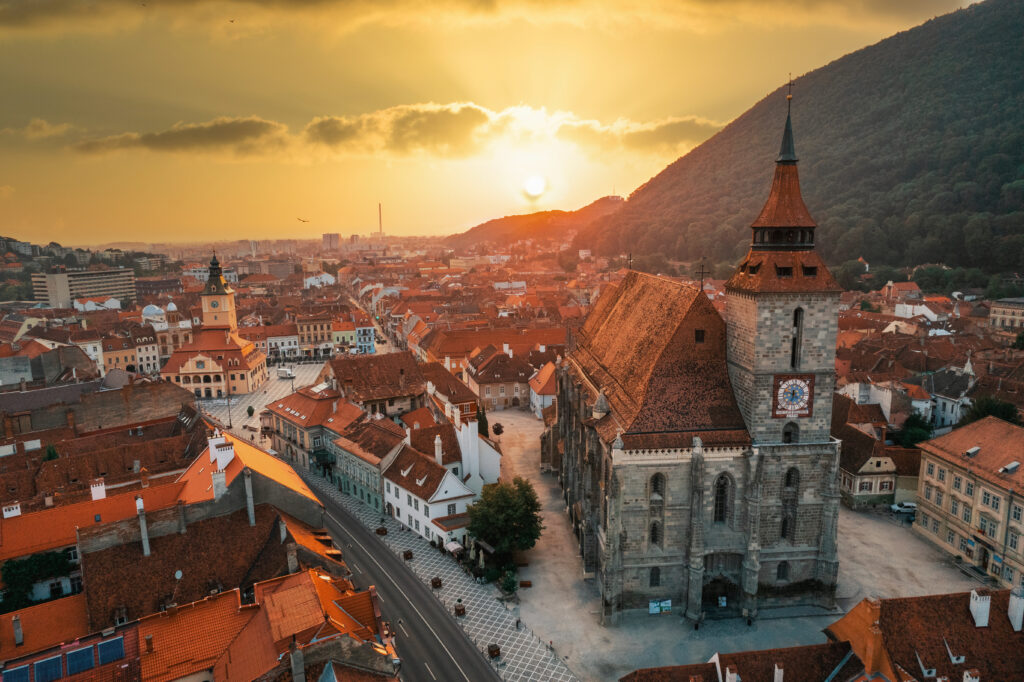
x=787, y=152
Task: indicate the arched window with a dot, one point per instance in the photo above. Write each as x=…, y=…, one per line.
x=782, y=572
x=723, y=492
x=791, y=433
x=787, y=527
x=655, y=577
x=798, y=338
x=657, y=487
x=656, y=533
x=792, y=478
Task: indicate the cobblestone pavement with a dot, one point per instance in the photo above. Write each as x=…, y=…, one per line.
x=271, y=390
x=487, y=621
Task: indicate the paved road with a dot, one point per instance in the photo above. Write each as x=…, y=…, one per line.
x=432, y=647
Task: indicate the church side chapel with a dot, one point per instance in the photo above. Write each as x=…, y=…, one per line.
x=698, y=466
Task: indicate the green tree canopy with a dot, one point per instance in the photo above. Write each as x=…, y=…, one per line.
x=507, y=516
x=990, y=407
x=915, y=429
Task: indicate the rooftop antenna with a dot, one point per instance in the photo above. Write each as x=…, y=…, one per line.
x=380, y=221
x=629, y=261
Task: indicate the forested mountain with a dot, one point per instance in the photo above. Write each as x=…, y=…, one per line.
x=911, y=151
x=542, y=225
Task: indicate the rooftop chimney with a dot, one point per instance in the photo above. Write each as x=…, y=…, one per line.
x=149, y=644
x=293, y=558
x=298, y=663
x=219, y=481
x=408, y=436
x=19, y=636
x=249, y=508
x=778, y=672
x=143, y=530
x=731, y=674
x=979, y=608
x=972, y=675
x=438, y=452
x=98, y=488
x=1016, y=608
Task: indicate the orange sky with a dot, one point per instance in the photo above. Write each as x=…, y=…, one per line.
x=192, y=120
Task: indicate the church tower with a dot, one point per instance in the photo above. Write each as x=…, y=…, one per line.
x=782, y=316
x=218, y=300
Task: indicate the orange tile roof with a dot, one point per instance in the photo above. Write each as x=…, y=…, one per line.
x=45, y=625
x=55, y=528
x=543, y=383
x=1000, y=443
x=193, y=637
x=198, y=485
x=307, y=408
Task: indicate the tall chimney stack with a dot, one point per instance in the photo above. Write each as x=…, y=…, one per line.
x=19, y=636
x=143, y=530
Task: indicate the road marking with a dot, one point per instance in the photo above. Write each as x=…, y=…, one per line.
x=358, y=570
x=403, y=629
x=429, y=670
x=387, y=575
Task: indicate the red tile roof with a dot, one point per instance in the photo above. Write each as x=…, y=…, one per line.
x=45, y=625
x=1000, y=444
x=544, y=382
x=308, y=407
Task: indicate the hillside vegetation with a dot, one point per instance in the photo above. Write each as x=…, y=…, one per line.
x=554, y=225
x=911, y=151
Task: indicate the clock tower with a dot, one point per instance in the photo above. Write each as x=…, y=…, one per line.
x=218, y=300
x=782, y=316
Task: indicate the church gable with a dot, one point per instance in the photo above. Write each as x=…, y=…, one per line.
x=640, y=347
x=688, y=391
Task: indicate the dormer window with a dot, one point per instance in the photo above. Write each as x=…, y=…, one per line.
x=783, y=271
x=810, y=270
x=753, y=269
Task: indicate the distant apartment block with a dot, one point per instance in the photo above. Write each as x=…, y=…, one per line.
x=332, y=241
x=60, y=289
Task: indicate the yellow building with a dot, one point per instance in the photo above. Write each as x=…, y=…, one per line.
x=218, y=362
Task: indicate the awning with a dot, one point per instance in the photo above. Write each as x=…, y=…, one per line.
x=453, y=547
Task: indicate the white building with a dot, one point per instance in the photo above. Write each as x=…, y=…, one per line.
x=318, y=279
x=428, y=498
x=96, y=303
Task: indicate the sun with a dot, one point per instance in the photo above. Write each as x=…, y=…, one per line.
x=534, y=186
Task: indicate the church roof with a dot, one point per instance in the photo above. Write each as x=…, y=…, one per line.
x=218, y=344
x=785, y=206
x=639, y=345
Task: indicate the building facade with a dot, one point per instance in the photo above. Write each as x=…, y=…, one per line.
x=698, y=463
x=968, y=500
x=1006, y=314
x=61, y=289
x=217, y=363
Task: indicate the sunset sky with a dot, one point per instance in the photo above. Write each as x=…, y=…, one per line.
x=167, y=120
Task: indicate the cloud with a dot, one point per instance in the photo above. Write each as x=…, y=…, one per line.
x=6, y=191
x=450, y=131
x=83, y=15
x=38, y=129
x=240, y=136
x=666, y=135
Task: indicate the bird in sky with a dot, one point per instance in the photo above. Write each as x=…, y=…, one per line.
x=302, y=220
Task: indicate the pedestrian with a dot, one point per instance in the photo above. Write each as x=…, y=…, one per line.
x=517, y=623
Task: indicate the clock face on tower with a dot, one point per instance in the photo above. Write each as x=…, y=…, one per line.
x=793, y=396
x=214, y=304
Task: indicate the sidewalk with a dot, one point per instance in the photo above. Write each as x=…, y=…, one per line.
x=488, y=621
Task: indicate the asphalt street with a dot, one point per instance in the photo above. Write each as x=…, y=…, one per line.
x=431, y=646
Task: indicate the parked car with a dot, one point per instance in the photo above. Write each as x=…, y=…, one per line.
x=903, y=508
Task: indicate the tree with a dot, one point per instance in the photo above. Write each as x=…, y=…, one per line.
x=507, y=517
x=51, y=453
x=509, y=582
x=250, y=410
x=481, y=422
x=915, y=429
x=990, y=407
x=498, y=429
x=1019, y=341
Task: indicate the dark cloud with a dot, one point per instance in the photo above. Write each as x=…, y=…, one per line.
x=100, y=14
x=667, y=135
x=449, y=130
x=238, y=135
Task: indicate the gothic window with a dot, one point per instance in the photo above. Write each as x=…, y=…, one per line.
x=798, y=338
x=792, y=478
x=791, y=433
x=655, y=577
x=656, y=533
x=723, y=492
x=787, y=527
x=657, y=487
x=782, y=572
